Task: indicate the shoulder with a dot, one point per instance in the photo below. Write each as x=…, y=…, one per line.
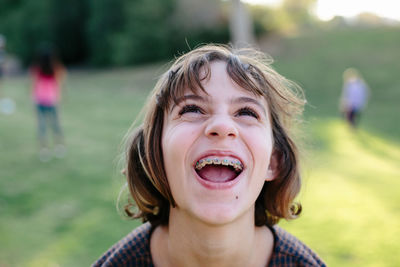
x=133, y=250
x=290, y=251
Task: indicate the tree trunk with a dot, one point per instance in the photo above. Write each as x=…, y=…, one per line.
x=241, y=26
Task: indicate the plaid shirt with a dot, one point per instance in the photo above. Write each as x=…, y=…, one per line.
x=134, y=250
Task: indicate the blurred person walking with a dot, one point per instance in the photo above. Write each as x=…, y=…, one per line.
x=354, y=96
x=47, y=74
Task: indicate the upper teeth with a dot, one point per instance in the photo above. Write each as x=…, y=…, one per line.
x=236, y=164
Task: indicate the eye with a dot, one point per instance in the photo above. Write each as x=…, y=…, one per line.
x=247, y=111
x=190, y=109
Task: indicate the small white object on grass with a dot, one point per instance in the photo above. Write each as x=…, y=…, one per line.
x=7, y=106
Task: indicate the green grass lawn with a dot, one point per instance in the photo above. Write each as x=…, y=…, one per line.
x=63, y=213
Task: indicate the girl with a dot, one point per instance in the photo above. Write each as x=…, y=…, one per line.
x=354, y=96
x=47, y=75
x=213, y=167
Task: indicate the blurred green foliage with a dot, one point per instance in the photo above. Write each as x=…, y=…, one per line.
x=125, y=32
x=26, y=24
x=299, y=11
x=102, y=33
x=291, y=17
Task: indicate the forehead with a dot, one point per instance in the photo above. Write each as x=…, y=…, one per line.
x=192, y=78
x=216, y=82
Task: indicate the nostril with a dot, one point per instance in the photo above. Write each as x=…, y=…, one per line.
x=220, y=126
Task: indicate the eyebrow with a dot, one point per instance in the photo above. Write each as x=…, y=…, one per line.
x=193, y=97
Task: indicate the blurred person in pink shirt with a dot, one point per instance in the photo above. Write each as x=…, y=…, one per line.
x=47, y=74
x=354, y=96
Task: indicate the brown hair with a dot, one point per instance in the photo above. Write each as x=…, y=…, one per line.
x=251, y=70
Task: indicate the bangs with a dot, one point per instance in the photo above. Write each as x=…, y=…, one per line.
x=189, y=72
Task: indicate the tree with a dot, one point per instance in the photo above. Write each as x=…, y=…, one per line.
x=299, y=12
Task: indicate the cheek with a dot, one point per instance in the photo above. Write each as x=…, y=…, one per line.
x=173, y=142
x=176, y=141
x=169, y=150
x=260, y=144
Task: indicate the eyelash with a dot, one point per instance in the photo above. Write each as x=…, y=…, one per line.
x=189, y=109
x=246, y=111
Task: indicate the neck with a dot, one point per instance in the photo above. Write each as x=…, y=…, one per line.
x=193, y=243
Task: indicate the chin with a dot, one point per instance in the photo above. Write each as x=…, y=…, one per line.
x=218, y=214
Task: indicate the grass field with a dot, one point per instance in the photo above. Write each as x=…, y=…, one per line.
x=62, y=213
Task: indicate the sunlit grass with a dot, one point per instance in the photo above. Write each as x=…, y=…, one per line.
x=60, y=212
x=351, y=197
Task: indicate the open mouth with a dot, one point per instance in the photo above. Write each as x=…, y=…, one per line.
x=218, y=170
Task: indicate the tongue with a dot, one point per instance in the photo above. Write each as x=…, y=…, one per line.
x=217, y=174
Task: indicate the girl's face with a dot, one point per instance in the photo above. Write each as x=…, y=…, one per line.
x=217, y=149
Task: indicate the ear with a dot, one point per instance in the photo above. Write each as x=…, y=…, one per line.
x=272, y=171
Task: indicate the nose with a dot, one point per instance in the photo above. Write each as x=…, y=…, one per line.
x=221, y=126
